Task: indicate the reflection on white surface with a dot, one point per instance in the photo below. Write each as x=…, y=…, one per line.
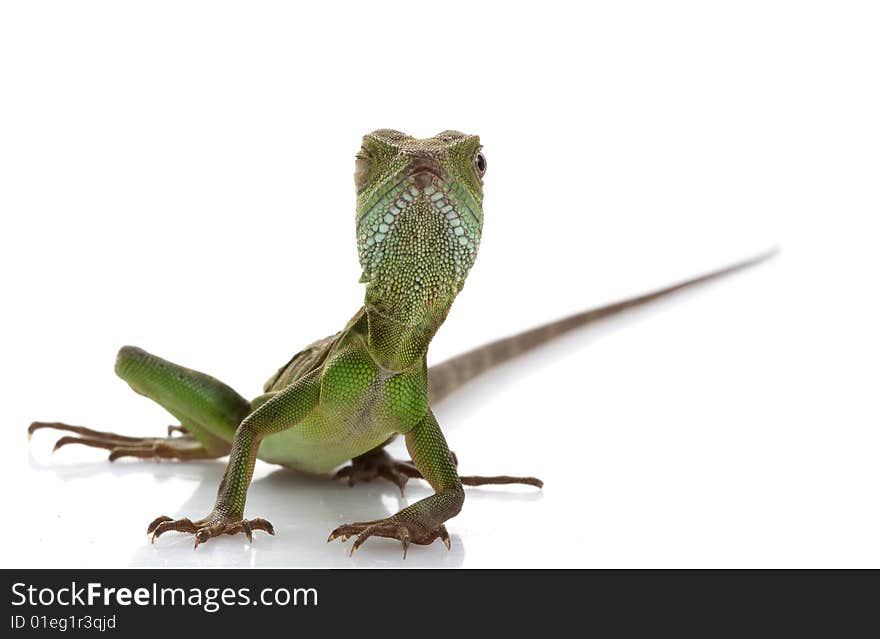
x=103, y=508
x=653, y=455
x=303, y=510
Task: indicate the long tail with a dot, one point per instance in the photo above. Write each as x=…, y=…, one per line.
x=448, y=376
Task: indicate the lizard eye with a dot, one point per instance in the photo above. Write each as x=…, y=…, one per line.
x=480, y=163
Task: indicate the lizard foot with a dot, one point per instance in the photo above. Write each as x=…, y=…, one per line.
x=184, y=446
x=406, y=532
x=378, y=463
x=213, y=525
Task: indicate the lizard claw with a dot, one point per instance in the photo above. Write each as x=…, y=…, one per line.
x=156, y=448
x=375, y=464
x=392, y=529
x=212, y=526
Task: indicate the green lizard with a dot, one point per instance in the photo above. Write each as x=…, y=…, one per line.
x=419, y=219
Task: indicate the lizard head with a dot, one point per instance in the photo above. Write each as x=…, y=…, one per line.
x=419, y=219
x=419, y=211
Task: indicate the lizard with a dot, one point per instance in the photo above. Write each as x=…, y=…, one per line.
x=338, y=402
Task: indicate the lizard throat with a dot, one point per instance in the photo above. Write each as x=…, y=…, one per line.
x=416, y=245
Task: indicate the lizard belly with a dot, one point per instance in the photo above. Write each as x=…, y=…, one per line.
x=360, y=407
x=325, y=440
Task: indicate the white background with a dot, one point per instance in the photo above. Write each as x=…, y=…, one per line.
x=178, y=176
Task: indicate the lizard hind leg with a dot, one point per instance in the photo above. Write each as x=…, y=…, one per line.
x=184, y=447
x=377, y=463
x=208, y=410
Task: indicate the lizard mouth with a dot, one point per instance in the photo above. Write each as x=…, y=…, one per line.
x=424, y=177
x=423, y=170
x=421, y=173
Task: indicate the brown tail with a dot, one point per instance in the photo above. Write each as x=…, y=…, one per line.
x=450, y=375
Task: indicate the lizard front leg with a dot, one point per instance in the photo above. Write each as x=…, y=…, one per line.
x=282, y=411
x=423, y=521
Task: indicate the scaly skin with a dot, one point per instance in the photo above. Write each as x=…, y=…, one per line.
x=419, y=216
x=419, y=220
